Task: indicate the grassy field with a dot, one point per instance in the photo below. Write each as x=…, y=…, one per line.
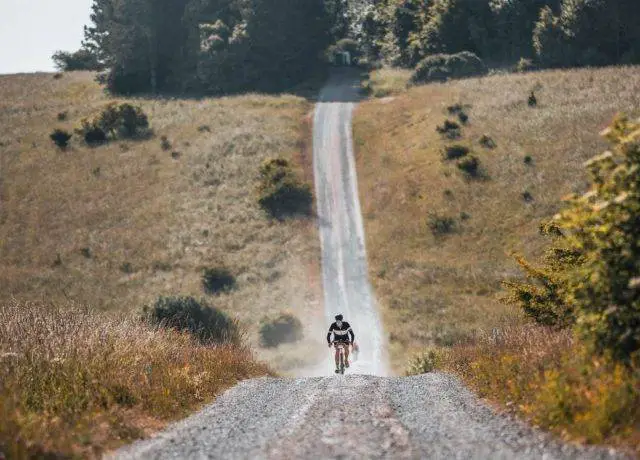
x=441, y=239
x=440, y=242
x=116, y=226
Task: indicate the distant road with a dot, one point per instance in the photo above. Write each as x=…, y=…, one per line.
x=431, y=416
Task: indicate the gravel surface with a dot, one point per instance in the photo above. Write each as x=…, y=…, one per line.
x=353, y=416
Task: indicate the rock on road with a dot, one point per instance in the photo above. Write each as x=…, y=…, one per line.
x=352, y=416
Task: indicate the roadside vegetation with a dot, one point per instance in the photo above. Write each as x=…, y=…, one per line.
x=442, y=243
x=74, y=382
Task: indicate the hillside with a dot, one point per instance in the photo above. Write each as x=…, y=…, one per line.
x=119, y=225
x=439, y=243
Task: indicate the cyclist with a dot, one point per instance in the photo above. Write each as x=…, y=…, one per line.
x=342, y=334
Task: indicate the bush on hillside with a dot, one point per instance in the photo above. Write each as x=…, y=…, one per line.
x=591, y=271
x=429, y=360
x=280, y=192
x=282, y=328
x=218, y=279
x=455, y=151
x=61, y=138
x=207, y=324
x=469, y=165
x=441, y=67
x=115, y=120
x=440, y=224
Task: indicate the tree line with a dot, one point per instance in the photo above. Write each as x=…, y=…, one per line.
x=223, y=46
x=553, y=33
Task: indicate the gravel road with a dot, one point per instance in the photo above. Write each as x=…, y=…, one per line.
x=363, y=414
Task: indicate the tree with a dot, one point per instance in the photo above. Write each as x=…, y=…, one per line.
x=82, y=59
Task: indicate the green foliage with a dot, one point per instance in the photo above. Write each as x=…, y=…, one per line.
x=470, y=165
x=455, y=151
x=82, y=59
x=61, y=138
x=207, y=324
x=217, y=279
x=449, y=129
x=429, y=360
x=115, y=120
x=281, y=193
x=440, y=67
x=282, y=328
x=441, y=224
x=592, y=271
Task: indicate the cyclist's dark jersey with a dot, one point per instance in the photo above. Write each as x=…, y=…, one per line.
x=341, y=333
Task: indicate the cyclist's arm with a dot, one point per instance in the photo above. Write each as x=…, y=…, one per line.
x=329, y=334
x=352, y=334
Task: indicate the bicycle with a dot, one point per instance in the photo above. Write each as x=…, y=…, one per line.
x=341, y=356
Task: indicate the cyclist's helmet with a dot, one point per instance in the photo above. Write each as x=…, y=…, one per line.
x=338, y=317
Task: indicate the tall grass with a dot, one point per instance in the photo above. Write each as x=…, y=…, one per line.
x=548, y=378
x=76, y=382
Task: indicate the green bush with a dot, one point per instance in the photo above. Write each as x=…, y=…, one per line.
x=218, y=279
x=440, y=224
x=207, y=324
x=115, y=120
x=449, y=129
x=280, y=192
x=469, y=165
x=591, y=272
x=428, y=361
x=441, y=67
x=61, y=138
x=455, y=151
x=282, y=328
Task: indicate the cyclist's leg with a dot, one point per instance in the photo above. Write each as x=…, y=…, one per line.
x=346, y=355
x=337, y=355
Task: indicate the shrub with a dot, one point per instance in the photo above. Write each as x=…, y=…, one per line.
x=487, y=142
x=82, y=59
x=207, y=324
x=218, y=279
x=440, y=67
x=61, y=138
x=528, y=159
x=453, y=152
x=591, y=271
x=280, y=192
x=469, y=165
x=428, y=361
x=440, y=224
x=450, y=129
x=282, y=328
x=165, y=144
x=124, y=120
x=62, y=116
x=525, y=65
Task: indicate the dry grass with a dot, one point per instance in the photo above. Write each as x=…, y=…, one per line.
x=75, y=382
x=388, y=81
x=544, y=376
x=151, y=222
x=441, y=288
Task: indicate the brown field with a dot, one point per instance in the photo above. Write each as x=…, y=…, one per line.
x=116, y=226
x=440, y=289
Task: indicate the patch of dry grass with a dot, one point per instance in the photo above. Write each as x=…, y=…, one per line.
x=388, y=81
x=118, y=225
x=439, y=289
x=546, y=377
x=75, y=382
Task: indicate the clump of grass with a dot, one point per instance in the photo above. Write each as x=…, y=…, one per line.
x=428, y=361
x=62, y=116
x=281, y=193
x=441, y=224
x=205, y=323
x=455, y=151
x=61, y=138
x=528, y=160
x=469, y=165
x=387, y=81
x=217, y=279
x=449, y=129
x=487, y=142
x=68, y=374
x=165, y=144
x=545, y=376
x=278, y=329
